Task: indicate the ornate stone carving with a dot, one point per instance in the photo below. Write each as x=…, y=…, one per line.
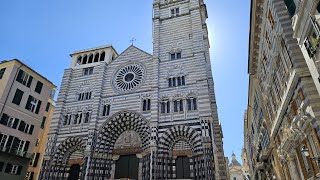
x=128, y=139
x=74, y=110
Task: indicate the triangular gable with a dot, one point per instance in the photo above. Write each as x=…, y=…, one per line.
x=133, y=48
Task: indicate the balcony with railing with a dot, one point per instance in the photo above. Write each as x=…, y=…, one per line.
x=313, y=39
x=16, y=152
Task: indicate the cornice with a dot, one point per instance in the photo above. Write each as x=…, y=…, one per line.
x=256, y=21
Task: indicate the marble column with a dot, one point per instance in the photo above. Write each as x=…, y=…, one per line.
x=139, y=156
x=113, y=166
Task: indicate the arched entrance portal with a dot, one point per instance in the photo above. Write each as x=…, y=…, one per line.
x=126, y=147
x=121, y=148
x=74, y=172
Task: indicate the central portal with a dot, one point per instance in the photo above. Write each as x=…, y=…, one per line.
x=127, y=167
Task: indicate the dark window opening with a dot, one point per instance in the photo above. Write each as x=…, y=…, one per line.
x=106, y=110
x=79, y=60
x=85, y=59
x=39, y=87
x=43, y=122
x=2, y=72
x=74, y=172
x=102, y=56
x=90, y=59
x=291, y=6
x=96, y=57
x=17, y=97
x=87, y=71
x=48, y=107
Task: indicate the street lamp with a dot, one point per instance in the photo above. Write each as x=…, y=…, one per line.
x=306, y=153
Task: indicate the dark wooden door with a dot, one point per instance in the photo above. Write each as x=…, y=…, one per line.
x=74, y=172
x=183, y=167
x=127, y=167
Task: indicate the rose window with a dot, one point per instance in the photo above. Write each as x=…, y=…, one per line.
x=129, y=77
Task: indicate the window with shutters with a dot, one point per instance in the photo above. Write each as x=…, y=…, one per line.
x=17, y=97
x=146, y=105
x=106, y=110
x=13, y=169
x=9, y=121
x=38, y=87
x=3, y=141
x=24, y=78
x=2, y=72
x=33, y=104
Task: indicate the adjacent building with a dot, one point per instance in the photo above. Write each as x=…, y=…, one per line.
x=38, y=152
x=139, y=115
x=25, y=101
x=282, y=123
x=235, y=169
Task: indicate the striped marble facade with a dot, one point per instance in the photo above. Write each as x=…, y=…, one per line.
x=90, y=129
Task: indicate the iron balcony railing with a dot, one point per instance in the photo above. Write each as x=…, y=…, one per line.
x=313, y=40
x=16, y=152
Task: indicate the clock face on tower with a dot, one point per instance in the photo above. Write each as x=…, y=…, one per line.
x=129, y=77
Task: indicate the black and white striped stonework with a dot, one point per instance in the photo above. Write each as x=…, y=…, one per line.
x=123, y=81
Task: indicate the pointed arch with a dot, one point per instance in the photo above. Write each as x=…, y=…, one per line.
x=177, y=133
x=116, y=125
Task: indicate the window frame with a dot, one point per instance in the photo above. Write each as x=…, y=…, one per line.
x=2, y=71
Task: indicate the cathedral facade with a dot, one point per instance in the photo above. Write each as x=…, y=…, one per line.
x=138, y=115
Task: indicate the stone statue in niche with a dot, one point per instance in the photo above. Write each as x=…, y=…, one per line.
x=128, y=139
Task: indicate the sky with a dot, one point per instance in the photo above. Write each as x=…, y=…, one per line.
x=43, y=34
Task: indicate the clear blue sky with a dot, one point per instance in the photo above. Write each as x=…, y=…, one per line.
x=44, y=33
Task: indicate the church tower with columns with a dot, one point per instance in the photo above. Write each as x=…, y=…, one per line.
x=138, y=115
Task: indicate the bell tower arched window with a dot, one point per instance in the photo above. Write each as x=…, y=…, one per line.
x=96, y=57
x=102, y=56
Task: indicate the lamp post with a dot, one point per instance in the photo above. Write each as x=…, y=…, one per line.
x=306, y=153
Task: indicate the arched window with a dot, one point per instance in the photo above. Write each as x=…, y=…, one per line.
x=87, y=117
x=90, y=58
x=106, y=110
x=165, y=106
x=178, y=105
x=96, y=57
x=291, y=6
x=192, y=104
x=146, y=105
x=102, y=56
x=85, y=59
x=79, y=60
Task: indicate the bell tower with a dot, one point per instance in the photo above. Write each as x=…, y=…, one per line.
x=181, y=45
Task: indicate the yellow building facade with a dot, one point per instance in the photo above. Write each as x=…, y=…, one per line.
x=35, y=163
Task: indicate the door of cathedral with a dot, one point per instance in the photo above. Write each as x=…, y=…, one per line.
x=127, y=167
x=183, y=167
x=74, y=172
